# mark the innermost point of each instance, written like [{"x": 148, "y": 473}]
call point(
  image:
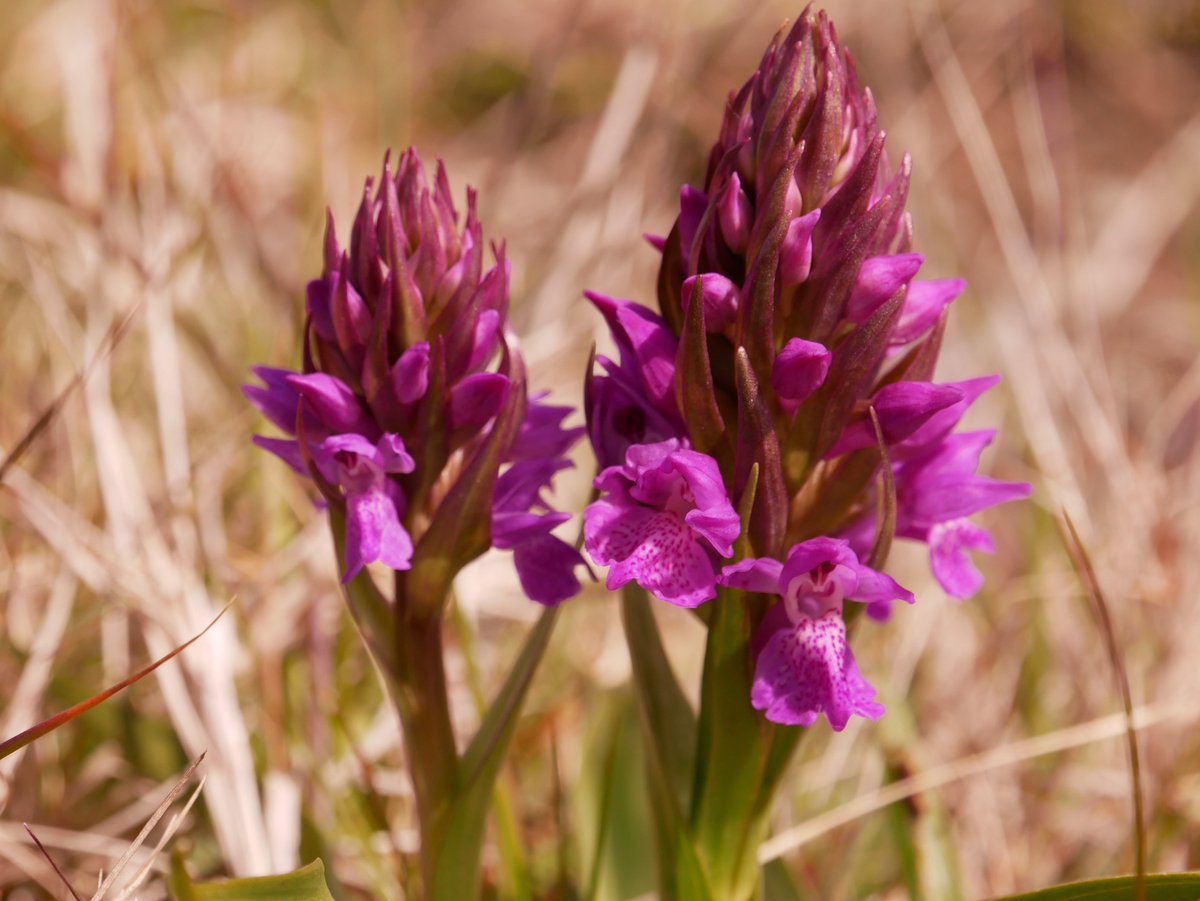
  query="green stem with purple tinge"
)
[{"x": 424, "y": 707}]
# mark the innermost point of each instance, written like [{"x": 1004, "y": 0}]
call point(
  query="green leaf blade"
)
[{"x": 304, "y": 884}]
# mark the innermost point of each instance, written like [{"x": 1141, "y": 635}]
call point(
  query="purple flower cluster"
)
[
  {"x": 411, "y": 406},
  {"x": 794, "y": 346}
]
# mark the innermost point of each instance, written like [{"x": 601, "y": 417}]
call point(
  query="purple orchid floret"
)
[
  {"x": 937, "y": 488},
  {"x": 374, "y": 503},
  {"x": 634, "y": 401},
  {"x": 412, "y": 398},
  {"x": 794, "y": 347},
  {"x": 804, "y": 667},
  {"x": 664, "y": 522}
]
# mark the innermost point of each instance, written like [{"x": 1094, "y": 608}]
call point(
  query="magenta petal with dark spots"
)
[
  {"x": 664, "y": 521},
  {"x": 806, "y": 669}
]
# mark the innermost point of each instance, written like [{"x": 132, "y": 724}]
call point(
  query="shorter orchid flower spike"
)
[{"x": 411, "y": 410}]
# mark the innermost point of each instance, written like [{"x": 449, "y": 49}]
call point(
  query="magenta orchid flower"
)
[
  {"x": 664, "y": 522},
  {"x": 804, "y": 665}
]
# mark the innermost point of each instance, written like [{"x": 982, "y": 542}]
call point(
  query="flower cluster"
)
[
  {"x": 791, "y": 356},
  {"x": 411, "y": 411}
]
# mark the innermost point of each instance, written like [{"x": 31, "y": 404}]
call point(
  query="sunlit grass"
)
[{"x": 171, "y": 162}]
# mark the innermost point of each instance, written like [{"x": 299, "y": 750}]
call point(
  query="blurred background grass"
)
[{"x": 170, "y": 161}]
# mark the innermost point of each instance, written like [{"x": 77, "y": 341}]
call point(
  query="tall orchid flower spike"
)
[
  {"x": 411, "y": 415},
  {"x": 790, "y": 362}
]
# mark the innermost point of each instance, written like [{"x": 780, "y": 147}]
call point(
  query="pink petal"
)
[
  {"x": 757, "y": 574},
  {"x": 720, "y": 297},
  {"x": 806, "y": 669},
  {"x": 878, "y": 280},
  {"x": 795, "y": 255},
  {"x": 735, "y": 214},
  {"x": 798, "y": 371},
  {"x": 949, "y": 543},
  {"x": 374, "y": 533}
]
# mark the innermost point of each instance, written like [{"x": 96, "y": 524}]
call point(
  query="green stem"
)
[{"x": 424, "y": 707}]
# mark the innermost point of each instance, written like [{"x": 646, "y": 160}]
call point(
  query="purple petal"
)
[
  {"x": 319, "y": 296},
  {"x": 351, "y": 319},
  {"x": 286, "y": 450},
  {"x": 546, "y": 567},
  {"x": 949, "y": 543},
  {"x": 646, "y": 346},
  {"x": 410, "y": 374},
  {"x": 620, "y": 414},
  {"x": 720, "y": 297},
  {"x": 476, "y": 399},
  {"x": 942, "y": 485},
  {"x": 351, "y": 443},
  {"x": 902, "y": 408},
  {"x": 877, "y": 588},
  {"x": 331, "y": 400},
  {"x": 795, "y": 254},
  {"x": 278, "y": 401},
  {"x": 654, "y": 549},
  {"x": 704, "y": 481},
  {"x": 392, "y": 455},
  {"x": 798, "y": 371},
  {"x": 807, "y": 669},
  {"x": 735, "y": 214},
  {"x": 808, "y": 555},
  {"x": 658, "y": 242},
  {"x": 483, "y": 343},
  {"x": 374, "y": 533},
  {"x": 878, "y": 280},
  {"x": 692, "y": 205},
  {"x": 542, "y": 434},
  {"x": 923, "y": 304},
  {"x": 511, "y": 528},
  {"x": 757, "y": 574},
  {"x": 944, "y": 421},
  {"x": 519, "y": 486}
]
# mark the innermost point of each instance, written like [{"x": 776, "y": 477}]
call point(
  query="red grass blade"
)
[{"x": 35, "y": 732}]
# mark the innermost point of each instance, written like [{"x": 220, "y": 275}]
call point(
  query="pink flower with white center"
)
[
  {"x": 804, "y": 666},
  {"x": 664, "y": 522}
]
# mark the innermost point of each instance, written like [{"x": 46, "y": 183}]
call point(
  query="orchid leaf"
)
[
  {"x": 669, "y": 730},
  {"x": 456, "y": 870},
  {"x": 668, "y": 717},
  {"x": 1161, "y": 887},
  {"x": 694, "y": 391},
  {"x": 304, "y": 884},
  {"x": 614, "y": 831}
]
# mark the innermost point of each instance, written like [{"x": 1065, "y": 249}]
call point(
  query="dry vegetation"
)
[{"x": 163, "y": 170}]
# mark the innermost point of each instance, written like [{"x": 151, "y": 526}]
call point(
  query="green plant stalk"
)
[
  {"x": 669, "y": 734},
  {"x": 740, "y": 755},
  {"x": 424, "y": 707},
  {"x": 732, "y": 750}
]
